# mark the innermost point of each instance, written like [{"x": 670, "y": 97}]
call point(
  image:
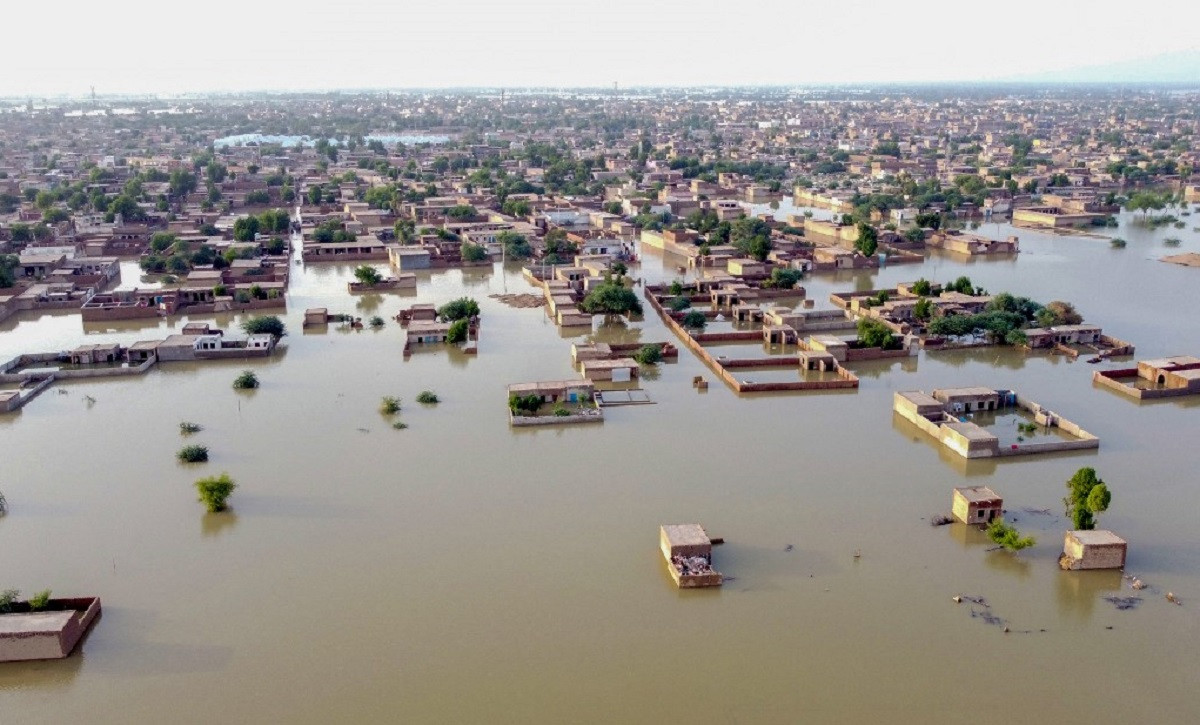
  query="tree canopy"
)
[{"x": 1087, "y": 495}]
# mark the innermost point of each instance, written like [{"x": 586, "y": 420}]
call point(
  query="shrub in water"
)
[
  {"x": 192, "y": 454},
  {"x": 214, "y": 491},
  {"x": 246, "y": 381}
]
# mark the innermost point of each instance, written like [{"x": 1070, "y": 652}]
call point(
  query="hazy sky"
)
[{"x": 170, "y": 46}]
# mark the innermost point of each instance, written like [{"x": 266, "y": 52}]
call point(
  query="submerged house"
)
[
  {"x": 1093, "y": 550},
  {"x": 48, "y": 633},
  {"x": 1158, "y": 378},
  {"x": 687, "y": 549},
  {"x": 976, "y": 505}
]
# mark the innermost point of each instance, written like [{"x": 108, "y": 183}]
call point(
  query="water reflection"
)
[
  {"x": 1008, "y": 562},
  {"x": 1078, "y": 591},
  {"x": 213, "y": 524}
]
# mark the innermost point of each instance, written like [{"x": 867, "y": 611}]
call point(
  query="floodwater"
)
[{"x": 461, "y": 571}]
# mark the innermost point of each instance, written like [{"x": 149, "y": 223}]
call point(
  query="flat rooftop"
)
[
  {"x": 978, "y": 494},
  {"x": 920, "y": 399},
  {"x": 970, "y": 431},
  {"x": 1099, "y": 537},
  {"x": 686, "y": 535},
  {"x": 971, "y": 392}
]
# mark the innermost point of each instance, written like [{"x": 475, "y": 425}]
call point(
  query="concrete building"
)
[
  {"x": 687, "y": 549},
  {"x": 976, "y": 505},
  {"x": 1093, "y": 550},
  {"x": 1158, "y": 378},
  {"x": 48, "y": 634}
]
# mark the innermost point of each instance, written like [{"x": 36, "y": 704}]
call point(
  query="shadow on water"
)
[{"x": 122, "y": 647}]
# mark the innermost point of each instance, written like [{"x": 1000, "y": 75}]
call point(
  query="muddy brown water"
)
[{"x": 461, "y": 571}]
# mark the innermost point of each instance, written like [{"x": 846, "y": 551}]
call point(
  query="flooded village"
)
[{"x": 440, "y": 366}]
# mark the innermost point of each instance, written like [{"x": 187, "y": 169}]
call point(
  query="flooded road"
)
[{"x": 461, "y": 571}]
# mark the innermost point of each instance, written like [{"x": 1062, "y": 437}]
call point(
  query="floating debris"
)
[
  {"x": 857, "y": 554},
  {"x": 522, "y": 301},
  {"x": 89, "y": 400},
  {"x": 1036, "y": 512},
  {"x": 1173, "y": 599},
  {"x": 789, "y": 547},
  {"x": 363, "y": 430},
  {"x": 1124, "y": 603},
  {"x": 940, "y": 520}
]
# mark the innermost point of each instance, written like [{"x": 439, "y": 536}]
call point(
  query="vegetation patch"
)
[
  {"x": 246, "y": 381},
  {"x": 214, "y": 491},
  {"x": 192, "y": 454}
]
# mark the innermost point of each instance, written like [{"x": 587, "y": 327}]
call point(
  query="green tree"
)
[
  {"x": 1008, "y": 537},
  {"x": 868, "y": 239},
  {"x": 516, "y": 246},
  {"x": 922, "y": 287},
  {"x": 923, "y": 309},
  {"x": 214, "y": 491},
  {"x": 181, "y": 183},
  {"x": 461, "y": 211},
  {"x": 367, "y": 275},
  {"x": 264, "y": 325},
  {"x": 244, "y": 229},
  {"x": 874, "y": 333},
  {"x": 694, "y": 320},
  {"x": 1087, "y": 496},
  {"x": 458, "y": 331},
  {"x": 473, "y": 252},
  {"x": 611, "y": 298},
  {"x": 648, "y": 354},
  {"x": 462, "y": 308}
]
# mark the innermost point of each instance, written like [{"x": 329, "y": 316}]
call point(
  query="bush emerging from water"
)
[
  {"x": 679, "y": 304},
  {"x": 1006, "y": 536},
  {"x": 428, "y": 397},
  {"x": 459, "y": 309},
  {"x": 458, "y": 331},
  {"x": 39, "y": 601},
  {"x": 694, "y": 320},
  {"x": 214, "y": 491},
  {"x": 390, "y": 405},
  {"x": 1118, "y": 243},
  {"x": 8, "y": 598},
  {"x": 246, "y": 381},
  {"x": 192, "y": 454},
  {"x": 648, "y": 355},
  {"x": 266, "y": 325},
  {"x": 376, "y": 322},
  {"x": 188, "y": 428},
  {"x": 399, "y": 425}
]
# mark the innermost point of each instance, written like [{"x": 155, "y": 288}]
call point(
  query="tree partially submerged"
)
[
  {"x": 459, "y": 309},
  {"x": 367, "y": 275},
  {"x": 874, "y": 333},
  {"x": 458, "y": 332},
  {"x": 611, "y": 298},
  {"x": 1087, "y": 496},
  {"x": 214, "y": 491},
  {"x": 264, "y": 325},
  {"x": 694, "y": 320},
  {"x": 524, "y": 404},
  {"x": 648, "y": 354},
  {"x": 192, "y": 454},
  {"x": 1008, "y": 537},
  {"x": 246, "y": 381}
]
